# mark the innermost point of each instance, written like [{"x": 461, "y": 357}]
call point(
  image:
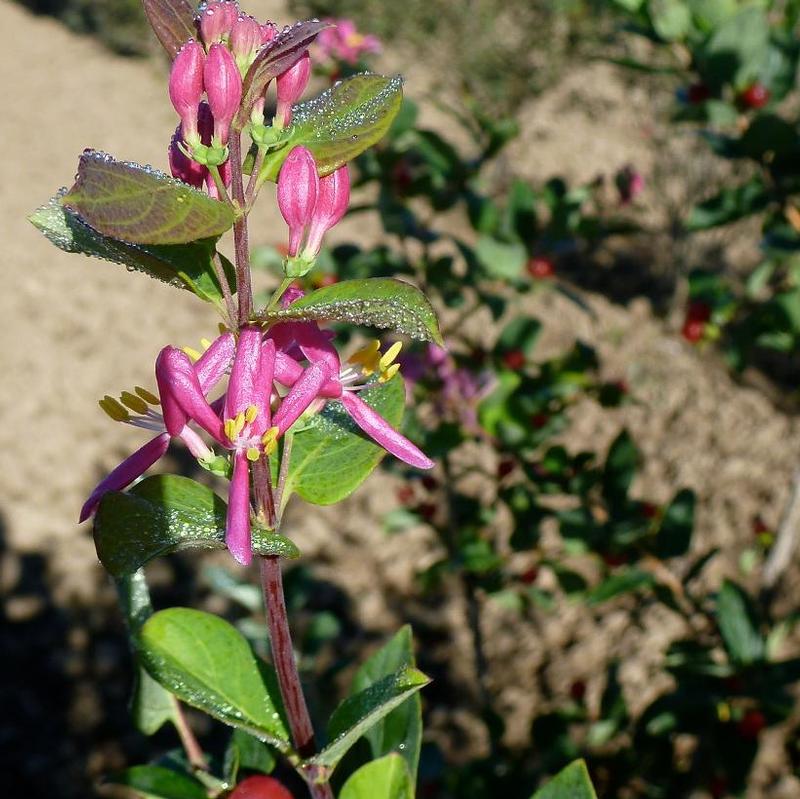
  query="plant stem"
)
[
  {"x": 219, "y": 271},
  {"x": 241, "y": 245},
  {"x": 250, "y": 193},
  {"x": 192, "y": 748}
]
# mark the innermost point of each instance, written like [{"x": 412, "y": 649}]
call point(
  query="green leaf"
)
[
  {"x": 380, "y": 302},
  {"x": 386, "y": 778},
  {"x": 570, "y": 783},
  {"x": 620, "y": 468},
  {"x": 400, "y": 730},
  {"x": 738, "y": 625},
  {"x": 360, "y": 712},
  {"x": 729, "y": 205},
  {"x": 142, "y": 205},
  {"x": 166, "y": 513},
  {"x": 273, "y": 59},
  {"x": 675, "y": 533},
  {"x": 246, "y": 752},
  {"x": 331, "y": 457},
  {"x": 622, "y": 583},
  {"x": 157, "y": 782},
  {"x": 735, "y": 51},
  {"x": 345, "y": 120},
  {"x": 521, "y": 333},
  {"x": 151, "y": 705},
  {"x": 208, "y": 664},
  {"x": 499, "y": 259},
  {"x": 185, "y": 265},
  {"x": 671, "y": 19},
  {"x": 172, "y": 22}
]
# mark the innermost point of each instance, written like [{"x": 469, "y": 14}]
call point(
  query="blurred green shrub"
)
[{"x": 120, "y": 24}]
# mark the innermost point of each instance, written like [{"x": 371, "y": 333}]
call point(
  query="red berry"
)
[
  {"x": 529, "y": 575},
  {"x": 751, "y": 724},
  {"x": 541, "y": 268},
  {"x": 622, "y": 386},
  {"x": 578, "y": 690},
  {"x": 759, "y": 526},
  {"x": 514, "y": 359},
  {"x": 649, "y": 510},
  {"x": 429, "y": 483},
  {"x": 402, "y": 176},
  {"x": 693, "y": 330},
  {"x": 504, "y": 468},
  {"x": 698, "y": 93},
  {"x": 427, "y": 510},
  {"x": 260, "y": 788},
  {"x": 698, "y": 311},
  {"x": 405, "y": 495},
  {"x": 754, "y": 96},
  {"x": 539, "y": 420},
  {"x": 615, "y": 558}
]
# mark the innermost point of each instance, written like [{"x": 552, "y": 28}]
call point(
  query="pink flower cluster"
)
[
  {"x": 343, "y": 42},
  {"x": 214, "y": 67},
  {"x": 274, "y": 378}
]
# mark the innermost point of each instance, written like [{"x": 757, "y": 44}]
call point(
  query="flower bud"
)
[
  {"x": 182, "y": 167},
  {"x": 245, "y": 41},
  {"x": 223, "y": 87},
  {"x": 215, "y": 21},
  {"x": 224, "y": 173},
  {"x": 291, "y": 85},
  {"x": 298, "y": 186},
  {"x": 269, "y": 30},
  {"x": 186, "y": 87},
  {"x": 333, "y": 198}
]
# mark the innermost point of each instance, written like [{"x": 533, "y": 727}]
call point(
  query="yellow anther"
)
[
  {"x": 136, "y": 404},
  {"x": 368, "y": 357},
  {"x": 193, "y": 354},
  {"x": 205, "y": 343},
  {"x": 388, "y": 374},
  {"x": 388, "y": 357},
  {"x": 253, "y": 454},
  {"x": 238, "y": 423},
  {"x": 250, "y": 414},
  {"x": 147, "y": 396},
  {"x": 114, "y": 409},
  {"x": 230, "y": 429},
  {"x": 270, "y": 437}
]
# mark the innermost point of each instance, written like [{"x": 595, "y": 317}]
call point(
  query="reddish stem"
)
[{"x": 241, "y": 245}]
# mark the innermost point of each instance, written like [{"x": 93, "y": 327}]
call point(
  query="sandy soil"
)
[{"x": 77, "y": 329}]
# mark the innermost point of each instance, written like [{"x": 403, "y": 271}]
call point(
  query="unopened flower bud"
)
[
  {"x": 223, "y": 87},
  {"x": 298, "y": 186},
  {"x": 245, "y": 41},
  {"x": 181, "y": 166},
  {"x": 186, "y": 87},
  {"x": 269, "y": 30},
  {"x": 215, "y": 21},
  {"x": 333, "y": 198},
  {"x": 291, "y": 85}
]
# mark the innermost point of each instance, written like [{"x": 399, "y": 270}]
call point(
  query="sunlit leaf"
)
[{"x": 172, "y": 22}]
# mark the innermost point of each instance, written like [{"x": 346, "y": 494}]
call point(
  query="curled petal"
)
[
  {"x": 214, "y": 362},
  {"x": 316, "y": 346},
  {"x": 380, "y": 431},
  {"x": 237, "y": 532},
  {"x": 302, "y": 394},
  {"x": 131, "y": 468}
]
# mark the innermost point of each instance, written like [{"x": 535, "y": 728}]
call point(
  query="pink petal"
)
[
  {"x": 214, "y": 362},
  {"x": 237, "y": 533},
  {"x": 333, "y": 197},
  {"x": 316, "y": 346},
  {"x": 380, "y": 431},
  {"x": 244, "y": 388},
  {"x": 131, "y": 468},
  {"x": 302, "y": 394}
]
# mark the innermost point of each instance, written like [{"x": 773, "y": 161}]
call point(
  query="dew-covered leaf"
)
[
  {"x": 572, "y": 782},
  {"x": 187, "y": 266},
  {"x": 142, "y": 205},
  {"x": 381, "y": 302},
  {"x": 273, "y": 59},
  {"x": 166, "y": 513},
  {"x": 246, "y": 752},
  {"x": 331, "y": 457},
  {"x": 208, "y": 664},
  {"x": 386, "y": 778},
  {"x": 358, "y": 713},
  {"x": 342, "y": 122},
  {"x": 401, "y": 730},
  {"x": 158, "y": 782},
  {"x": 172, "y": 22}
]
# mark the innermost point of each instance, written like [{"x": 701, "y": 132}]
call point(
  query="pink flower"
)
[
  {"x": 186, "y": 87},
  {"x": 246, "y": 38},
  {"x": 630, "y": 184},
  {"x": 138, "y": 409},
  {"x": 290, "y": 86},
  {"x": 343, "y": 42},
  {"x": 215, "y": 21},
  {"x": 223, "y": 84}
]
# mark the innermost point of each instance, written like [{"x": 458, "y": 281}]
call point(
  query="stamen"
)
[
  {"x": 205, "y": 343},
  {"x": 147, "y": 396},
  {"x": 389, "y": 373},
  {"x": 388, "y": 357},
  {"x": 251, "y": 413},
  {"x": 193, "y": 354},
  {"x": 270, "y": 437},
  {"x": 238, "y": 424},
  {"x": 136, "y": 404},
  {"x": 114, "y": 409},
  {"x": 253, "y": 454},
  {"x": 230, "y": 429},
  {"x": 368, "y": 357}
]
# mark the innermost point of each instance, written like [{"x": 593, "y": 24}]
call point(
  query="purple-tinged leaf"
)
[
  {"x": 141, "y": 205},
  {"x": 273, "y": 59},
  {"x": 172, "y": 22}
]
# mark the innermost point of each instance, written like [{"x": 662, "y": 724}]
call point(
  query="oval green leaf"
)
[
  {"x": 331, "y": 457},
  {"x": 172, "y": 22},
  {"x": 380, "y": 302},
  {"x": 141, "y": 205},
  {"x": 208, "y": 664},
  {"x": 342, "y": 122},
  {"x": 573, "y": 782},
  {"x": 157, "y": 782},
  {"x": 187, "y": 266},
  {"x": 166, "y": 513},
  {"x": 386, "y": 778}
]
